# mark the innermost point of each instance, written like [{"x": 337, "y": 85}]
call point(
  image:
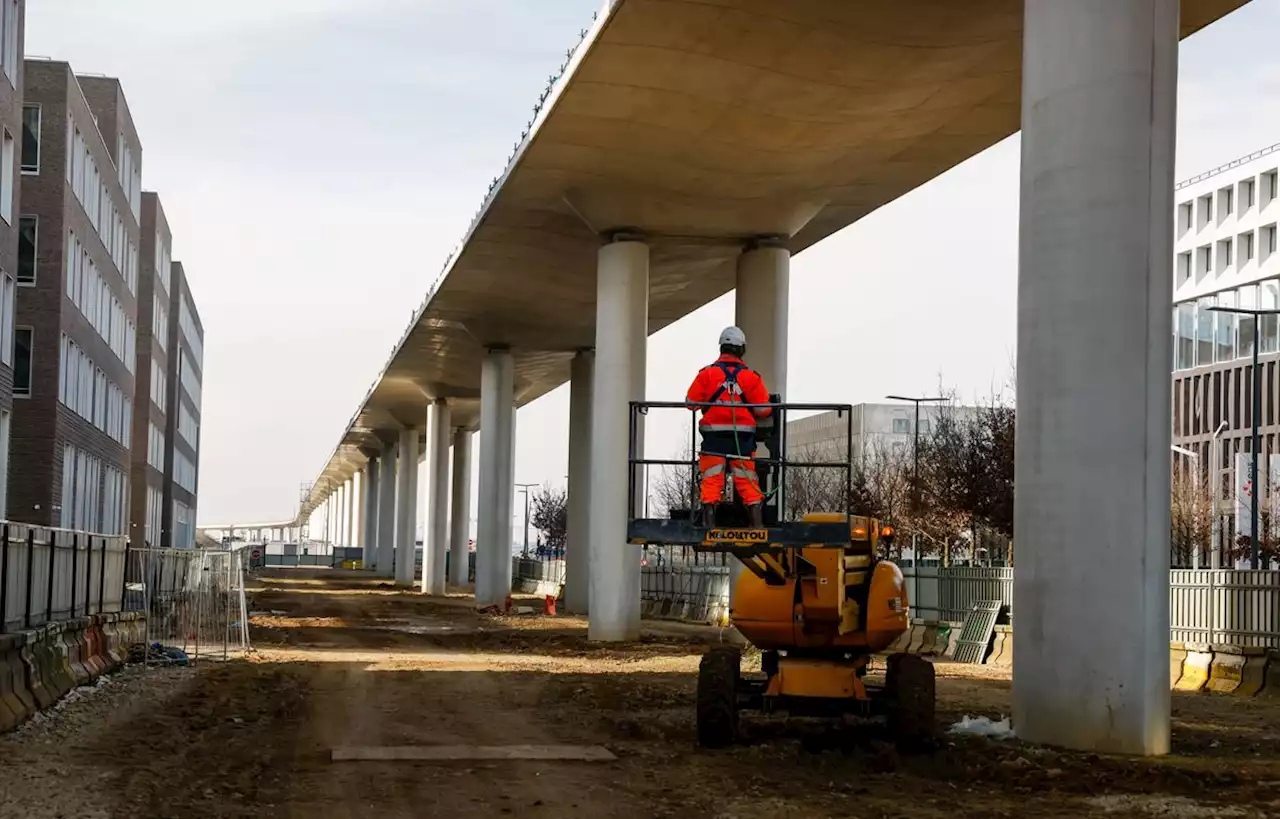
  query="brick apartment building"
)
[
  {"x": 151, "y": 396},
  {"x": 18, "y": 139},
  {"x": 73, "y": 429},
  {"x": 186, "y": 376}
]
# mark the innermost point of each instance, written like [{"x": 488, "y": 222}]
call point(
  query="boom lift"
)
[{"x": 817, "y": 598}]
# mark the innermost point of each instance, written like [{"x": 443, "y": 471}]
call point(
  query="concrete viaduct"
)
[{"x": 690, "y": 148}]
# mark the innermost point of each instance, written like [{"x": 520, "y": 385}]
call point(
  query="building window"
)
[
  {"x": 6, "y": 178},
  {"x": 1184, "y": 268},
  {"x": 28, "y": 231},
  {"x": 901, "y": 426},
  {"x": 1204, "y": 332},
  {"x": 1245, "y": 243},
  {"x": 1205, "y": 209},
  {"x": 1269, "y": 186},
  {"x": 1204, "y": 260},
  {"x": 8, "y": 306},
  {"x": 31, "y": 139},
  {"x": 22, "y": 361},
  {"x": 11, "y": 10},
  {"x": 1225, "y": 203},
  {"x": 1186, "y": 212},
  {"x": 1224, "y": 254},
  {"x": 1268, "y": 241},
  {"x": 1246, "y": 194},
  {"x": 4, "y": 462}
]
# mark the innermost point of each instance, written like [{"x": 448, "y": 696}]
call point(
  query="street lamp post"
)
[
  {"x": 524, "y": 487},
  {"x": 1254, "y": 448},
  {"x": 915, "y": 472}
]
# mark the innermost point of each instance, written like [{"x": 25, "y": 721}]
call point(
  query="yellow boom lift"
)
[{"x": 818, "y": 599}]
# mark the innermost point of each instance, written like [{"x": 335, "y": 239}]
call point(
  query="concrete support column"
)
[
  {"x": 385, "y": 559},
  {"x": 350, "y": 517},
  {"x": 577, "y": 548},
  {"x": 761, "y": 304},
  {"x": 435, "y": 542},
  {"x": 406, "y": 506},
  {"x": 341, "y": 537},
  {"x": 497, "y": 478},
  {"x": 369, "y": 514},
  {"x": 1099, "y": 91},
  {"x": 622, "y": 330},
  {"x": 460, "y": 515}
]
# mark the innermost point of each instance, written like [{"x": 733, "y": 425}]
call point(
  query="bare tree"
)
[
  {"x": 672, "y": 487},
  {"x": 1191, "y": 519},
  {"x": 550, "y": 516},
  {"x": 814, "y": 488}
]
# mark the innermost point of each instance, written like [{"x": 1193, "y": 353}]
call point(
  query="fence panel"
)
[
  {"x": 49, "y": 574},
  {"x": 194, "y": 599}
]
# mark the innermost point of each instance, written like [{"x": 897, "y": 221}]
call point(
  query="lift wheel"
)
[{"x": 717, "y": 705}]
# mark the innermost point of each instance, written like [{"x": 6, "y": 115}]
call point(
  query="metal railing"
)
[
  {"x": 775, "y": 440},
  {"x": 49, "y": 574}
]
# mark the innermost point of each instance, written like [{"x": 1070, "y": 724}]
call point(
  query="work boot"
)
[
  {"x": 756, "y": 510},
  {"x": 708, "y": 515}
]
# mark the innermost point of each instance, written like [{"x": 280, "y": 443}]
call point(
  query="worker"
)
[{"x": 729, "y": 431}]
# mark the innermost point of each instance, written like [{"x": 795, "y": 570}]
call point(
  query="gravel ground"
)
[
  {"x": 44, "y": 770},
  {"x": 344, "y": 662}
]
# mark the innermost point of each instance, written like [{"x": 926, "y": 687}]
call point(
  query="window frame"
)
[
  {"x": 35, "y": 251},
  {"x": 10, "y": 13},
  {"x": 8, "y": 182},
  {"x": 8, "y": 318},
  {"x": 23, "y": 167},
  {"x": 31, "y": 360}
]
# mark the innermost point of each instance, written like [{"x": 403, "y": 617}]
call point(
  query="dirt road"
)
[{"x": 343, "y": 661}]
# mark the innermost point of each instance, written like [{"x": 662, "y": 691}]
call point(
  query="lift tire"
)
[
  {"x": 910, "y": 690},
  {"x": 717, "y": 704}
]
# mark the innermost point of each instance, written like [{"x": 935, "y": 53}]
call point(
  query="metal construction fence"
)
[
  {"x": 1239, "y": 607},
  {"x": 194, "y": 599},
  {"x": 938, "y": 593},
  {"x": 49, "y": 574},
  {"x": 676, "y": 582}
]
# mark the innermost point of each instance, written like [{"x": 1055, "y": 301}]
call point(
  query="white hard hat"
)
[{"x": 733, "y": 336}]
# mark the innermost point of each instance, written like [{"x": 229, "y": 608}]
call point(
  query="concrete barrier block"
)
[
  {"x": 901, "y": 644},
  {"x": 953, "y": 639},
  {"x": 1225, "y": 673},
  {"x": 71, "y": 643},
  {"x": 12, "y": 657},
  {"x": 917, "y": 639},
  {"x": 14, "y": 708},
  {"x": 1005, "y": 658},
  {"x": 1271, "y": 676},
  {"x": 116, "y": 650},
  {"x": 1177, "y": 656},
  {"x": 34, "y": 677},
  {"x": 1254, "y": 675},
  {"x": 997, "y": 648},
  {"x": 1195, "y": 671},
  {"x": 59, "y": 666},
  {"x": 96, "y": 662},
  {"x": 930, "y": 643}
]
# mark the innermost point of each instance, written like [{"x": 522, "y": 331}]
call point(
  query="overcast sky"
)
[{"x": 318, "y": 159}]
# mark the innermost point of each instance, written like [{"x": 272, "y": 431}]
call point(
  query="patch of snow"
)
[{"x": 984, "y": 727}]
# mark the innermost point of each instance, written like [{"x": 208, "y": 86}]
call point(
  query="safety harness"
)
[{"x": 731, "y": 369}]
